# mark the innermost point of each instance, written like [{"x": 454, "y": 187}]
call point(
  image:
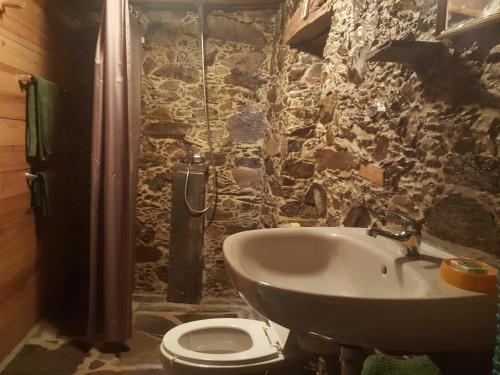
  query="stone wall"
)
[
  {"x": 289, "y": 148},
  {"x": 320, "y": 141},
  {"x": 349, "y": 141},
  {"x": 239, "y": 47}
]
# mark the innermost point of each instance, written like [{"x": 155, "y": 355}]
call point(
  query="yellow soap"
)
[{"x": 469, "y": 274}]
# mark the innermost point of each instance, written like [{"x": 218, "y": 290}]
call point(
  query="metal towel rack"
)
[
  {"x": 24, "y": 79},
  {"x": 30, "y": 177}
]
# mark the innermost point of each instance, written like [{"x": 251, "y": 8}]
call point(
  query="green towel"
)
[
  {"x": 41, "y": 120},
  {"x": 31, "y": 142},
  {"x": 385, "y": 365},
  {"x": 41, "y": 194}
]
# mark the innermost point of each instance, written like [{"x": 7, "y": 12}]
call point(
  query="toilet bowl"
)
[{"x": 226, "y": 346}]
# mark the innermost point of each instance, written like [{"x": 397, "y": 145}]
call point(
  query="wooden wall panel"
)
[
  {"x": 18, "y": 314},
  {"x": 33, "y": 16},
  {"x": 12, "y": 132},
  {"x": 12, "y": 106},
  {"x": 14, "y": 206},
  {"x": 30, "y": 25},
  {"x": 22, "y": 58},
  {"x": 42, "y": 50},
  {"x": 18, "y": 248},
  {"x": 13, "y": 158},
  {"x": 12, "y": 96},
  {"x": 31, "y": 42},
  {"x": 12, "y": 183}
]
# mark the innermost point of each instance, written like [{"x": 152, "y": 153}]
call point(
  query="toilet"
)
[{"x": 223, "y": 346}]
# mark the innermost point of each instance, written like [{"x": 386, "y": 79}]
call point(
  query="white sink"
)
[{"x": 358, "y": 290}]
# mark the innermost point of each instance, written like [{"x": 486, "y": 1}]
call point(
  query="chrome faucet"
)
[{"x": 410, "y": 236}]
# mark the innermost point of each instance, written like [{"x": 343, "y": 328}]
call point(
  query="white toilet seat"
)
[{"x": 264, "y": 345}]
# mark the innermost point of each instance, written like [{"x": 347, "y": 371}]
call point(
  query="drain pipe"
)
[
  {"x": 316, "y": 343},
  {"x": 352, "y": 359}
]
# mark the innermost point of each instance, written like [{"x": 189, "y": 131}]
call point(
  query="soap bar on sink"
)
[
  {"x": 469, "y": 266},
  {"x": 469, "y": 274}
]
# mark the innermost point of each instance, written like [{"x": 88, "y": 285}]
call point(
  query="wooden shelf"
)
[
  {"x": 309, "y": 34},
  {"x": 470, "y": 26},
  {"x": 96, "y": 5},
  {"x": 404, "y": 51},
  {"x": 212, "y": 3}
]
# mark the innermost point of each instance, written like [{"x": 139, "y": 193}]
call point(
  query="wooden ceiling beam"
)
[{"x": 210, "y": 3}]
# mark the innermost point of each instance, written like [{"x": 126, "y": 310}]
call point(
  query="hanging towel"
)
[
  {"x": 41, "y": 194},
  {"x": 385, "y": 365},
  {"x": 43, "y": 96}
]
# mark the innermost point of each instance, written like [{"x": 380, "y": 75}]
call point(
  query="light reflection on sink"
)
[{"x": 359, "y": 290}]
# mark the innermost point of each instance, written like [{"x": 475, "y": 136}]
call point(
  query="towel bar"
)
[
  {"x": 24, "y": 79},
  {"x": 30, "y": 176}
]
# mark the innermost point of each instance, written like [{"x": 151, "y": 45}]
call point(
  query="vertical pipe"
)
[{"x": 185, "y": 276}]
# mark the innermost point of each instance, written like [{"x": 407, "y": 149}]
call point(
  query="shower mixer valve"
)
[
  {"x": 193, "y": 158},
  {"x": 197, "y": 159}
]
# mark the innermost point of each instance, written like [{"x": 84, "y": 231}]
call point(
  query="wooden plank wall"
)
[{"x": 29, "y": 44}]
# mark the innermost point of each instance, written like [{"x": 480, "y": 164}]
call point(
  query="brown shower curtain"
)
[{"x": 115, "y": 126}]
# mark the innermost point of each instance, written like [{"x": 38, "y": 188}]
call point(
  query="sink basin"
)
[{"x": 358, "y": 290}]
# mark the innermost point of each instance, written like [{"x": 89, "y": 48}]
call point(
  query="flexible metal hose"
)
[{"x": 201, "y": 17}]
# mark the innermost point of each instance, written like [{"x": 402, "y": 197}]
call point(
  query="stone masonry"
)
[
  {"x": 321, "y": 141},
  {"x": 350, "y": 140},
  {"x": 238, "y": 52}
]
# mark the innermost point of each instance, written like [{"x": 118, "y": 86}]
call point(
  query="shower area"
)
[{"x": 179, "y": 250}]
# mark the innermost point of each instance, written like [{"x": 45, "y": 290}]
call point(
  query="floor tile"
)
[{"x": 49, "y": 352}]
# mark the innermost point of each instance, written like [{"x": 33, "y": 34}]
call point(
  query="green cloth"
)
[
  {"x": 31, "y": 142},
  {"x": 41, "y": 194},
  {"x": 41, "y": 118},
  {"x": 385, "y": 365}
]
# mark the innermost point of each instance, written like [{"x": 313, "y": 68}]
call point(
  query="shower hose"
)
[{"x": 201, "y": 17}]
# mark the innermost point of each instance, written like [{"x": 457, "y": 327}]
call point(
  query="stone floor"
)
[{"x": 48, "y": 351}]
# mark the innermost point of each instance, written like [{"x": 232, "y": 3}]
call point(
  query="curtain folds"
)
[{"x": 115, "y": 127}]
